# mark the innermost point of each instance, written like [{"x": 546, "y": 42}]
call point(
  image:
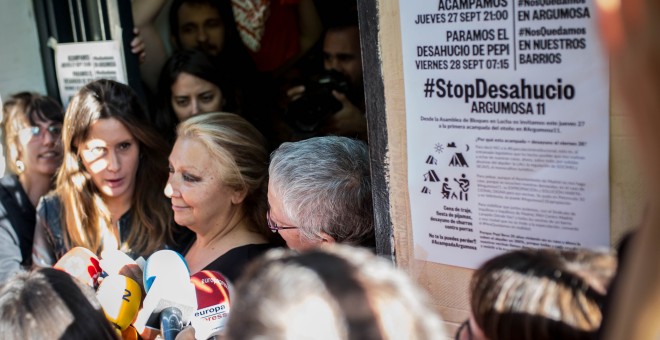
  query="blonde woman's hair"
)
[{"x": 240, "y": 150}]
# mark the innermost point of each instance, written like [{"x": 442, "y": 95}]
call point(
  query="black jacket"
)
[{"x": 17, "y": 220}]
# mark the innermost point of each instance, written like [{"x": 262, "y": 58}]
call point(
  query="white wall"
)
[{"x": 20, "y": 60}]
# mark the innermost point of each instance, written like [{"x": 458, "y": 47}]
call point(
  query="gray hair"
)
[
  {"x": 48, "y": 303},
  {"x": 340, "y": 291},
  {"x": 325, "y": 186}
]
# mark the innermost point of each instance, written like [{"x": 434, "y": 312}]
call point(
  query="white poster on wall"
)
[
  {"x": 507, "y": 105},
  {"x": 79, "y": 63}
]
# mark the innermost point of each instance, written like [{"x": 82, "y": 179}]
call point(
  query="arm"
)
[
  {"x": 145, "y": 13},
  {"x": 310, "y": 25},
  {"x": 10, "y": 252},
  {"x": 636, "y": 301}
]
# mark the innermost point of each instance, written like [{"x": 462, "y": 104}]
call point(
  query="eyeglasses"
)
[
  {"x": 35, "y": 131},
  {"x": 273, "y": 226},
  {"x": 464, "y": 326}
]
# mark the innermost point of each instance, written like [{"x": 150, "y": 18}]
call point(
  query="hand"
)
[
  {"x": 187, "y": 333},
  {"x": 137, "y": 46},
  {"x": 114, "y": 261},
  {"x": 134, "y": 272},
  {"x": 295, "y": 92},
  {"x": 348, "y": 121}
]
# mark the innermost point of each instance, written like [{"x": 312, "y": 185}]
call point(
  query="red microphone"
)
[
  {"x": 214, "y": 293},
  {"x": 82, "y": 264}
]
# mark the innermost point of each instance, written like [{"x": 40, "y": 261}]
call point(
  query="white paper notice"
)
[
  {"x": 79, "y": 63},
  {"x": 507, "y": 105}
]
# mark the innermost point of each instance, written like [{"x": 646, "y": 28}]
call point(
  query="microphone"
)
[
  {"x": 130, "y": 333},
  {"x": 170, "y": 299},
  {"x": 82, "y": 264},
  {"x": 120, "y": 297},
  {"x": 214, "y": 293},
  {"x": 114, "y": 261},
  {"x": 165, "y": 264}
]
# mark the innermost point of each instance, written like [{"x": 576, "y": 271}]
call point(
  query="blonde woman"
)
[{"x": 217, "y": 187}]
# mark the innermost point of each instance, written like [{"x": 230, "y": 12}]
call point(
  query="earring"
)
[{"x": 20, "y": 166}]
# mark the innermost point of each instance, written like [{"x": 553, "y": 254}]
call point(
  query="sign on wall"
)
[
  {"x": 507, "y": 105},
  {"x": 79, "y": 63}
]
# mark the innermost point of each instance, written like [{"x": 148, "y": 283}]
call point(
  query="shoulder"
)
[
  {"x": 248, "y": 252},
  {"x": 9, "y": 180},
  {"x": 49, "y": 211},
  {"x": 49, "y": 202},
  {"x": 232, "y": 263},
  {"x": 258, "y": 249},
  {"x": 9, "y": 185}
]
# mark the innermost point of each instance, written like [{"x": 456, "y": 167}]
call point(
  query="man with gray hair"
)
[{"x": 319, "y": 191}]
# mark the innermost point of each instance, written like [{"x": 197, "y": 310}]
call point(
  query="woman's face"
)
[
  {"x": 192, "y": 95},
  {"x": 111, "y": 157},
  {"x": 40, "y": 147},
  {"x": 200, "y": 198}
]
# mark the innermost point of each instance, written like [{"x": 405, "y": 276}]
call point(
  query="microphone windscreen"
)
[
  {"x": 113, "y": 260},
  {"x": 165, "y": 264},
  {"x": 82, "y": 264},
  {"x": 214, "y": 293},
  {"x": 120, "y": 297},
  {"x": 164, "y": 294},
  {"x": 171, "y": 323},
  {"x": 130, "y": 333}
]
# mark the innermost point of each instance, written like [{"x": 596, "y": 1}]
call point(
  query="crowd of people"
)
[
  {"x": 263, "y": 60},
  {"x": 277, "y": 204}
]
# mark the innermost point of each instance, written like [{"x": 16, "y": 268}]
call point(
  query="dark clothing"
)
[
  {"x": 233, "y": 262},
  {"x": 17, "y": 220},
  {"x": 622, "y": 251},
  {"x": 49, "y": 244}
]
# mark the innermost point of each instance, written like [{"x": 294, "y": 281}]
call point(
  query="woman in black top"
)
[
  {"x": 217, "y": 187},
  {"x": 31, "y": 128}
]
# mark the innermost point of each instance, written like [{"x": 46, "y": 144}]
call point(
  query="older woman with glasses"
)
[
  {"x": 319, "y": 193},
  {"x": 217, "y": 185},
  {"x": 31, "y": 128}
]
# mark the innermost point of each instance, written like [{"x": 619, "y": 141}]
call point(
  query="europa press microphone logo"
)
[{"x": 213, "y": 302}]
